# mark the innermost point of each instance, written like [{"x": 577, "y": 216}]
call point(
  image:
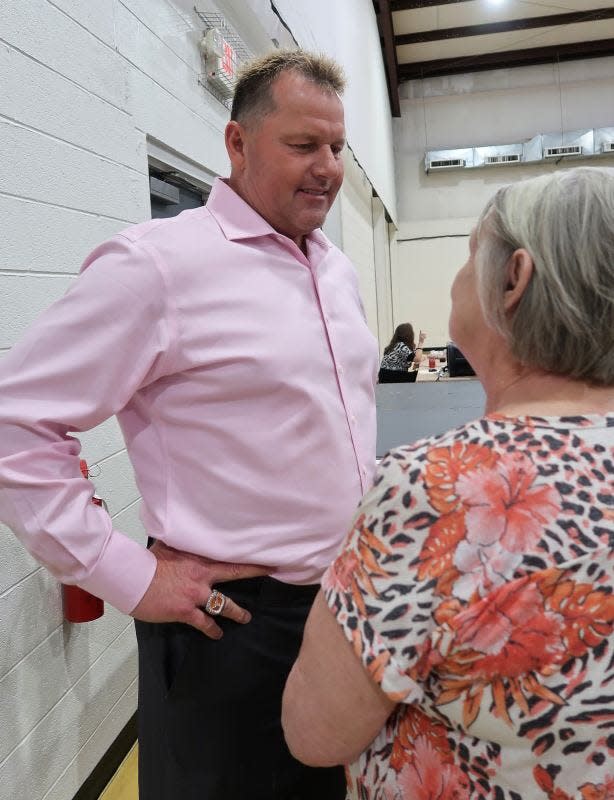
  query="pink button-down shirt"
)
[{"x": 242, "y": 375}]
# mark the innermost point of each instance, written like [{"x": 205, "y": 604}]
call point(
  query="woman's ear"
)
[{"x": 519, "y": 273}]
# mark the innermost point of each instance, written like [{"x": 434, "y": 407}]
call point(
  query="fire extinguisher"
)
[{"x": 79, "y": 605}]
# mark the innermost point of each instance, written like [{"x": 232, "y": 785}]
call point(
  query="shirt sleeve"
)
[
  {"x": 373, "y": 588},
  {"x": 77, "y": 365}
]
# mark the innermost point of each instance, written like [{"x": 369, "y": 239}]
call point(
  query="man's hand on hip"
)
[{"x": 182, "y": 585}]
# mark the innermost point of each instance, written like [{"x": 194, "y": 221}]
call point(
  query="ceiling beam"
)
[
  {"x": 505, "y": 59},
  {"x": 410, "y": 5},
  {"x": 505, "y": 25},
  {"x": 389, "y": 51}
]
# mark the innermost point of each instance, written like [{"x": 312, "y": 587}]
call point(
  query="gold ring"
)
[{"x": 215, "y": 604}]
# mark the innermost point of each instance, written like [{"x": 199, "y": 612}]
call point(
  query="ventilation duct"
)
[
  {"x": 449, "y": 159},
  {"x": 451, "y": 163},
  {"x": 495, "y": 156},
  {"x": 489, "y": 161},
  {"x": 555, "y": 152},
  {"x": 545, "y": 147}
]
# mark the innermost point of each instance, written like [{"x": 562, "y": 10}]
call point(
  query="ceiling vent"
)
[
  {"x": 569, "y": 150},
  {"x": 509, "y": 158},
  {"x": 607, "y": 147},
  {"x": 447, "y": 163}
]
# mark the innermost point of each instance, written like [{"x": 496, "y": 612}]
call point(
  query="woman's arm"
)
[
  {"x": 418, "y": 358},
  {"x": 332, "y": 709}
]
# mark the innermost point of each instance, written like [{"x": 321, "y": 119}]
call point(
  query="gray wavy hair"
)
[{"x": 564, "y": 322}]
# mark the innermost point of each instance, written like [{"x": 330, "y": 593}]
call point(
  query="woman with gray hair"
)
[{"x": 462, "y": 645}]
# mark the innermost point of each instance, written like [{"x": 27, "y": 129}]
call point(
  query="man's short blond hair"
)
[{"x": 253, "y": 98}]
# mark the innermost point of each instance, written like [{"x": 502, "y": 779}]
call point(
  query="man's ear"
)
[
  {"x": 234, "y": 136},
  {"x": 519, "y": 273}
]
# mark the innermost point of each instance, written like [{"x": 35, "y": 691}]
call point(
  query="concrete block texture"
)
[
  {"x": 29, "y": 612},
  {"x": 38, "y": 97},
  {"x": 41, "y": 758},
  {"x": 101, "y": 442},
  {"x": 23, "y": 299},
  {"x": 68, "y": 653},
  {"x": 42, "y": 30},
  {"x": 58, "y": 238},
  {"x": 88, "y": 755},
  {"x": 17, "y": 563},
  {"x": 39, "y": 167},
  {"x": 98, "y": 18}
]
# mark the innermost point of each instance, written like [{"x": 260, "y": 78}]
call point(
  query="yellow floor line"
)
[{"x": 124, "y": 784}]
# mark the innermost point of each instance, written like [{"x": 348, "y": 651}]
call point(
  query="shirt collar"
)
[{"x": 238, "y": 220}]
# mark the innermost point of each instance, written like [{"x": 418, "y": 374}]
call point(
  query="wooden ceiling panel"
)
[
  {"x": 476, "y": 12},
  {"x": 513, "y": 58},
  {"x": 502, "y": 42},
  {"x": 503, "y": 26},
  {"x": 444, "y": 37}
]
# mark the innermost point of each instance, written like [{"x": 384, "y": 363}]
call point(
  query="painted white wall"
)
[
  {"x": 382, "y": 232},
  {"x": 438, "y": 210},
  {"x": 87, "y": 89},
  {"x": 357, "y": 234}
]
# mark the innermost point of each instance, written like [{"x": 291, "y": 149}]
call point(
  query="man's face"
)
[{"x": 288, "y": 164}]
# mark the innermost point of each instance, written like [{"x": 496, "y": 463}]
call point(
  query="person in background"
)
[
  {"x": 186, "y": 328},
  {"x": 401, "y": 355},
  {"x": 462, "y": 646}
]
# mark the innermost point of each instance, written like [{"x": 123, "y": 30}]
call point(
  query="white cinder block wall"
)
[
  {"x": 87, "y": 89},
  {"x": 437, "y": 211}
]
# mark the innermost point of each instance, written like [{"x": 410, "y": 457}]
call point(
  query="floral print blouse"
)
[{"x": 476, "y": 586}]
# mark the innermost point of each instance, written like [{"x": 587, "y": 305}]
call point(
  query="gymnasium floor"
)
[{"x": 124, "y": 785}]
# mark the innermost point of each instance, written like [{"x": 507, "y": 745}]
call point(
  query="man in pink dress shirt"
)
[{"x": 231, "y": 343}]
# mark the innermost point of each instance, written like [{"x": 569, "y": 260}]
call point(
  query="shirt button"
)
[
  {"x": 340, "y": 370},
  {"x": 353, "y": 420}
]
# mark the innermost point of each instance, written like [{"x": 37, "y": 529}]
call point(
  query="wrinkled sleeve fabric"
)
[{"x": 82, "y": 361}]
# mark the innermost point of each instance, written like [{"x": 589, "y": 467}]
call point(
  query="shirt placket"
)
[{"x": 352, "y": 421}]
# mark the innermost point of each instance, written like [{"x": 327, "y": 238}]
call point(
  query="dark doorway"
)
[{"x": 170, "y": 194}]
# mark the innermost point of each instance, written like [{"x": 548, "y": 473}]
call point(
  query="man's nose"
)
[{"x": 327, "y": 164}]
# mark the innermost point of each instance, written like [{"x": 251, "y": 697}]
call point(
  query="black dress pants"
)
[{"x": 209, "y": 718}]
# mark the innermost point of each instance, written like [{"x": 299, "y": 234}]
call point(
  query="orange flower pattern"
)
[{"x": 477, "y": 587}]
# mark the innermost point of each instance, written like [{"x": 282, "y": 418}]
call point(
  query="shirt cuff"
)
[{"x": 122, "y": 574}]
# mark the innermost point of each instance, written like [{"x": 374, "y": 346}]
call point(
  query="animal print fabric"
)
[
  {"x": 400, "y": 357},
  {"x": 476, "y": 588}
]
